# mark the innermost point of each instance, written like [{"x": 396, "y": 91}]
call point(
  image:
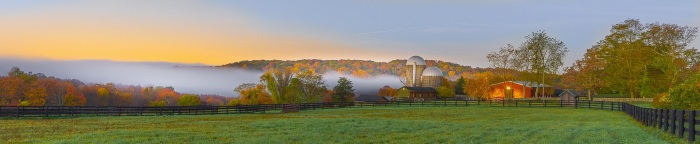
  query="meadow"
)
[{"x": 350, "y": 125}]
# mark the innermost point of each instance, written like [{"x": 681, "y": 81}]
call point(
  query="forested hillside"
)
[{"x": 358, "y": 68}]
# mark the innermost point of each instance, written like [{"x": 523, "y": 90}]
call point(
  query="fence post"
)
[
  {"x": 691, "y": 126},
  {"x": 666, "y": 119},
  {"x": 478, "y": 102},
  {"x": 18, "y": 111},
  {"x": 97, "y": 109},
  {"x": 601, "y": 104},
  {"x": 659, "y": 118},
  {"x": 46, "y": 114},
  {"x": 504, "y": 102},
  {"x": 575, "y": 103},
  {"x": 561, "y": 103},
  {"x": 545, "y": 103},
  {"x": 516, "y": 103},
  {"x": 529, "y": 103},
  {"x": 589, "y": 104},
  {"x": 612, "y": 105},
  {"x": 673, "y": 122},
  {"x": 161, "y": 110},
  {"x": 681, "y": 121}
]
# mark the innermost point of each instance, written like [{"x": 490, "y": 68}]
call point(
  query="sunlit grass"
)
[{"x": 350, "y": 125}]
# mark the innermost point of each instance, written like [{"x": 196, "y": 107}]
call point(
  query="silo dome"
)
[
  {"x": 417, "y": 59},
  {"x": 432, "y": 71}
]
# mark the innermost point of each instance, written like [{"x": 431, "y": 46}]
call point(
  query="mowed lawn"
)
[{"x": 349, "y": 125}]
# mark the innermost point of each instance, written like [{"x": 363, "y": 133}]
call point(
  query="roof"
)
[
  {"x": 370, "y": 98},
  {"x": 415, "y": 59},
  {"x": 420, "y": 89},
  {"x": 526, "y": 83},
  {"x": 572, "y": 92},
  {"x": 388, "y": 98},
  {"x": 432, "y": 71}
]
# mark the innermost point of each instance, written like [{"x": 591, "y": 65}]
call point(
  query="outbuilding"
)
[{"x": 417, "y": 94}]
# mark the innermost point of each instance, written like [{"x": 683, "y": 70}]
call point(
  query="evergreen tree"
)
[{"x": 343, "y": 92}]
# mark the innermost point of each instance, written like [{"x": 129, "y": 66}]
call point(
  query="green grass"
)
[{"x": 350, "y": 125}]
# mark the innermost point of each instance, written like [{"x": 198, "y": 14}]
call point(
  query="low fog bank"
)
[{"x": 186, "y": 78}]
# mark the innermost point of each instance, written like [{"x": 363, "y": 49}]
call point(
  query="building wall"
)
[
  {"x": 409, "y": 75},
  {"x": 431, "y": 81},
  {"x": 497, "y": 91}
]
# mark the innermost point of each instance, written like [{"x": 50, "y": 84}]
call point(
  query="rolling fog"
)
[{"x": 186, "y": 78}]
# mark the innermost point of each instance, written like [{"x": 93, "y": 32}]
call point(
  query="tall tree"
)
[
  {"x": 343, "y": 92},
  {"x": 586, "y": 73},
  {"x": 312, "y": 86},
  {"x": 459, "y": 86},
  {"x": 643, "y": 60},
  {"x": 276, "y": 82},
  {"x": 543, "y": 55}
]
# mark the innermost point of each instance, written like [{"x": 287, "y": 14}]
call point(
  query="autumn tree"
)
[
  {"x": 312, "y": 86},
  {"x": 169, "y": 96},
  {"x": 643, "y": 60},
  {"x": 343, "y": 92},
  {"x": 387, "y": 91},
  {"x": 586, "y": 73},
  {"x": 479, "y": 86},
  {"x": 253, "y": 94},
  {"x": 276, "y": 82},
  {"x": 73, "y": 97}
]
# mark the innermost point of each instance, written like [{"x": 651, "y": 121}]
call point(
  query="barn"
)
[
  {"x": 417, "y": 94},
  {"x": 518, "y": 90}
]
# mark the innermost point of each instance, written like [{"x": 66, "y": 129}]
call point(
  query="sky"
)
[{"x": 220, "y": 32}]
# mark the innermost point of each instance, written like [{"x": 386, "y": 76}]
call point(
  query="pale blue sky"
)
[{"x": 458, "y": 31}]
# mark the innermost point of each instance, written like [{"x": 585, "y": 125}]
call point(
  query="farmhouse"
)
[
  {"x": 569, "y": 95},
  {"x": 417, "y": 93},
  {"x": 518, "y": 90}
]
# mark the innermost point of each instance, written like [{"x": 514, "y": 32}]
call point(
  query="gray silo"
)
[
  {"x": 414, "y": 70},
  {"x": 432, "y": 77}
]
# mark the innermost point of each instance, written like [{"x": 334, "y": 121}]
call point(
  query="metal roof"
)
[
  {"x": 370, "y": 98},
  {"x": 415, "y": 59},
  {"x": 421, "y": 89},
  {"x": 526, "y": 83},
  {"x": 432, "y": 71}
]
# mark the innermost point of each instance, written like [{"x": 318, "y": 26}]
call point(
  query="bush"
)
[
  {"x": 683, "y": 96},
  {"x": 157, "y": 103},
  {"x": 189, "y": 100}
]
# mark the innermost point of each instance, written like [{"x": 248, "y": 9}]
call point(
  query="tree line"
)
[
  {"x": 20, "y": 88},
  {"x": 357, "y": 68}
]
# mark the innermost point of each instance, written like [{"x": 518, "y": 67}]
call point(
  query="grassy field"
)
[{"x": 350, "y": 125}]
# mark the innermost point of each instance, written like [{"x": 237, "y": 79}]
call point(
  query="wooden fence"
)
[
  {"x": 683, "y": 123},
  {"x": 62, "y": 111},
  {"x": 505, "y": 103}
]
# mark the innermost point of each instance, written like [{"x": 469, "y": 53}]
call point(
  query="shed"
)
[
  {"x": 371, "y": 98},
  {"x": 417, "y": 93},
  {"x": 569, "y": 95}
]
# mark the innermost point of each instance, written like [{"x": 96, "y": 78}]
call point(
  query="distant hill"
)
[{"x": 358, "y": 68}]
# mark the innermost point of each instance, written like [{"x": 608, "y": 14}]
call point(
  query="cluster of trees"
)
[
  {"x": 642, "y": 60},
  {"x": 537, "y": 59},
  {"x": 357, "y": 68},
  {"x": 287, "y": 85},
  {"x": 19, "y": 88}
]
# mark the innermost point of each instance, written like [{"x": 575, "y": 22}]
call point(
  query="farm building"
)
[
  {"x": 417, "y": 93},
  {"x": 418, "y": 75},
  {"x": 569, "y": 95},
  {"x": 370, "y": 98},
  {"x": 519, "y": 90}
]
